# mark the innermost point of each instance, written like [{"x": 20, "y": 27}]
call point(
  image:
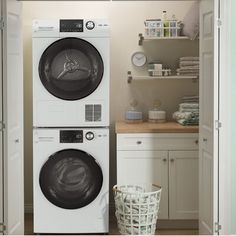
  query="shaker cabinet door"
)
[
  {"x": 135, "y": 167},
  {"x": 183, "y": 184}
]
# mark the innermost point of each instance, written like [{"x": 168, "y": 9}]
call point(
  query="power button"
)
[{"x": 89, "y": 135}]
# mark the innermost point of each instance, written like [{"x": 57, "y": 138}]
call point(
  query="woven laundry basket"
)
[{"x": 137, "y": 208}]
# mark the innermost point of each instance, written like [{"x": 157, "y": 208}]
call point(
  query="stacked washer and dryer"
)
[{"x": 71, "y": 125}]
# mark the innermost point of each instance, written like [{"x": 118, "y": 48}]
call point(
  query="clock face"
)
[{"x": 139, "y": 59}]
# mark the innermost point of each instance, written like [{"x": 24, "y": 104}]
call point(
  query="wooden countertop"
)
[{"x": 146, "y": 127}]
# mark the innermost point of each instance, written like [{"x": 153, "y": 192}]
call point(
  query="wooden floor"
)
[{"x": 113, "y": 228}]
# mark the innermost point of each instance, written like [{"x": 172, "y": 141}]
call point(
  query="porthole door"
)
[
  {"x": 71, "y": 179},
  {"x": 71, "y": 68}
]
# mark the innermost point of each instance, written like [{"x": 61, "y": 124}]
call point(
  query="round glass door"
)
[
  {"x": 71, "y": 179},
  {"x": 71, "y": 68}
]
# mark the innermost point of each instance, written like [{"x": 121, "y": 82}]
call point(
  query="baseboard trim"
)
[{"x": 28, "y": 208}]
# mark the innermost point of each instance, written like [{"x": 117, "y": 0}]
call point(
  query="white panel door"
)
[
  {"x": 1, "y": 150},
  {"x": 183, "y": 185},
  {"x": 208, "y": 136},
  {"x": 135, "y": 167},
  {"x": 13, "y": 117}
]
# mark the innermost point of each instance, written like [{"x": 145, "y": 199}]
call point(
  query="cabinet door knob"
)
[
  {"x": 172, "y": 160},
  {"x": 204, "y": 139},
  {"x": 196, "y": 141},
  {"x": 139, "y": 142},
  {"x": 164, "y": 159}
]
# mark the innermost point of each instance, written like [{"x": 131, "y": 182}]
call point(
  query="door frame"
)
[
  {"x": 224, "y": 115},
  {"x": 12, "y": 137}
]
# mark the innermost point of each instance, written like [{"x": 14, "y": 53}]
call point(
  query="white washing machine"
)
[
  {"x": 71, "y": 72},
  {"x": 71, "y": 180}
]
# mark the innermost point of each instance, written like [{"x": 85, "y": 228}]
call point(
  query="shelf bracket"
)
[
  {"x": 129, "y": 75},
  {"x": 141, "y": 38}
]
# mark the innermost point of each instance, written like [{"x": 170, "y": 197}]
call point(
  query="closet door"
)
[
  {"x": 13, "y": 118},
  {"x": 208, "y": 136}
]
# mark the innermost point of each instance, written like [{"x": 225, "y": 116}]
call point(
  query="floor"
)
[{"x": 113, "y": 228}]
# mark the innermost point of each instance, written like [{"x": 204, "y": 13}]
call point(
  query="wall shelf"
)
[
  {"x": 131, "y": 77},
  {"x": 142, "y": 38}
]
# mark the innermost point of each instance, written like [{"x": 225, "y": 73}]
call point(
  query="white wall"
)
[{"x": 126, "y": 18}]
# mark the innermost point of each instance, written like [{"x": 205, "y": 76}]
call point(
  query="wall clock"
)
[{"x": 138, "y": 59}]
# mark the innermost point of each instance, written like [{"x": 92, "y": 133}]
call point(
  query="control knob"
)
[
  {"x": 89, "y": 135},
  {"x": 90, "y": 25}
]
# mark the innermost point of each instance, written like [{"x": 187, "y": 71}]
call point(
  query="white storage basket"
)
[{"x": 137, "y": 208}]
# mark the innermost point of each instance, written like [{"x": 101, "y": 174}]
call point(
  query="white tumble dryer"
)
[
  {"x": 71, "y": 180},
  {"x": 71, "y": 60}
]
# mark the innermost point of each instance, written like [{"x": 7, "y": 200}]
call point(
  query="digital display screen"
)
[
  {"x": 71, "y": 136},
  {"x": 71, "y": 25}
]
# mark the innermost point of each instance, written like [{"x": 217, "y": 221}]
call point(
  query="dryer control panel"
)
[
  {"x": 71, "y": 25},
  {"x": 71, "y": 136}
]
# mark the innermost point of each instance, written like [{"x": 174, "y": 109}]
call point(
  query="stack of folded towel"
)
[
  {"x": 188, "y": 66},
  {"x": 188, "y": 113}
]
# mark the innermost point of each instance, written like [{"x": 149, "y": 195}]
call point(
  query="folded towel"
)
[
  {"x": 189, "y": 59},
  {"x": 189, "y": 67},
  {"x": 180, "y": 70},
  {"x": 187, "y": 74},
  {"x": 189, "y": 105},
  {"x": 190, "y": 97},
  {"x": 191, "y": 100},
  {"x": 189, "y": 110},
  {"x": 191, "y": 121},
  {"x": 188, "y": 63},
  {"x": 181, "y": 115}
]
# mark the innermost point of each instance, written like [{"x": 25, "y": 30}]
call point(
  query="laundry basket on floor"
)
[{"x": 137, "y": 208}]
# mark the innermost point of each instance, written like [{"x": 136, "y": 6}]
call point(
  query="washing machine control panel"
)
[
  {"x": 71, "y": 25},
  {"x": 71, "y": 136}
]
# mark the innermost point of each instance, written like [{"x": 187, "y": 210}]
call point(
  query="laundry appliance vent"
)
[{"x": 93, "y": 112}]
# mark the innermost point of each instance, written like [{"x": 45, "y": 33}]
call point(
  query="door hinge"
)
[
  {"x": 219, "y": 23},
  {"x": 217, "y": 227},
  {"x": 2, "y": 24},
  {"x": 2, "y": 126},
  {"x": 218, "y": 124},
  {"x": 2, "y": 228}
]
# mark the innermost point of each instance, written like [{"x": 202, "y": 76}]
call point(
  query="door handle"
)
[
  {"x": 17, "y": 140},
  {"x": 172, "y": 160},
  {"x": 139, "y": 142},
  {"x": 164, "y": 159}
]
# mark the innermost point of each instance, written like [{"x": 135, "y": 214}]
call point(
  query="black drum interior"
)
[
  {"x": 71, "y": 179},
  {"x": 71, "y": 68}
]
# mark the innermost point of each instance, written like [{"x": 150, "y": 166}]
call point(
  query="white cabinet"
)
[
  {"x": 169, "y": 160},
  {"x": 183, "y": 184},
  {"x": 138, "y": 167}
]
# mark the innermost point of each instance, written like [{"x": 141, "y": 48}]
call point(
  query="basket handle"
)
[
  {"x": 116, "y": 190},
  {"x": 156, "y": 185}
]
